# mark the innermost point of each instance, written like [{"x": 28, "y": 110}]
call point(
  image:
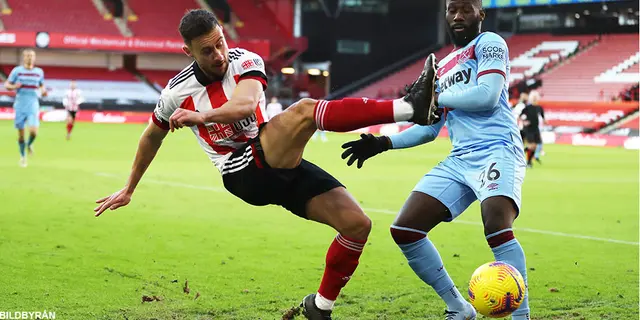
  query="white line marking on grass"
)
[
  {"x": 547, "y": 232},
  {"x": 166, "y": 183}
]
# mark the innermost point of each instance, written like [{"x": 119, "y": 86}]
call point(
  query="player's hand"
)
[
  {"x": 45, "y": 93},
  {"x": 365, "y": 148},
  {"x": 185, "y": 118},
  {"x": 119, "y": 199},
  {"x": 18, "y": 85}
]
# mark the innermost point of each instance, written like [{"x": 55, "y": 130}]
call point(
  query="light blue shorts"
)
[
  {"x": 460, "y": 180},
  {"x": 28, "y": 119}
]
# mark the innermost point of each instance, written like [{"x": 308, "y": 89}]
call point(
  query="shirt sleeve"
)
[
  {"x": 13, "y": 76},
  {"x": 416, "y": 135},
  {"x": 484, "y": 96},
  {"x": 252, "y": 67},
  {"x": 492, "y": 55},
  {"x": 164, "y": 109}
]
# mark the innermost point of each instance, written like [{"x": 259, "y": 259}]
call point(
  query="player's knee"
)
[
  {"x": 304, "y": 107},
  {"x": 358, "y": 227},
  {"x": 498, "y": 213},
  {"x": 21, "y": 139},
  {"x": 406, "y": 235}
]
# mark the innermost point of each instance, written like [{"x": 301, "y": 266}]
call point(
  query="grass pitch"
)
[{"x": 579, "y": 228}]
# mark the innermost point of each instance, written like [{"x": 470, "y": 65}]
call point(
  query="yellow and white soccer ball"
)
[{"x": 496, "y": 289}]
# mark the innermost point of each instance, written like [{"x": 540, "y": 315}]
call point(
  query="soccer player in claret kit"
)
[
  {"x": 27, "y": 80},
  {"x": 486, "y": 162},
  {"x": 221, "y": 97}
]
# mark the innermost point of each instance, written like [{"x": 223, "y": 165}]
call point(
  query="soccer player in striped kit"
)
[
  {"x": 220, "y": 97},
  {"x": 71, "y": 101}
]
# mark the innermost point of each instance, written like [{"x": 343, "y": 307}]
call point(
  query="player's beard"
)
[
  {"x": 218, "y": 71},
  {"x": 461, "y": 39}
]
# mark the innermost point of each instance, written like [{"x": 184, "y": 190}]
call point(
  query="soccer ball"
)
[{"x": 496, "y": 289}]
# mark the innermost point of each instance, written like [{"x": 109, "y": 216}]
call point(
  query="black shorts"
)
[
  {"x": 533, "y": 136},
  {"x": 72, "y": 114},
  {"x": 247, "y": 175}
]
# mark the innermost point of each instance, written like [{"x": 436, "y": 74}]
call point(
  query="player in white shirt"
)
[
  {"x": 274, "y": 108},
  {"x": 220, "y": 96},
  {"x": 71, "y": 102}
]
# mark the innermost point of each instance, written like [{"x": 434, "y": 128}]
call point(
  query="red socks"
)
[
  {"x": 69, "y": 128},
  {"x": 352, "y": 113},
  {"x": 341, "y": 263}
]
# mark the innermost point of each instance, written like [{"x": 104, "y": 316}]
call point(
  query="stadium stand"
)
[
  {"x": 389, "y": 86},
  {"x": 158, "y": 23},
  {"x": 264, "y": 24},
  {"x": 576, "y": 79},
  {"x": 159, "y": 78},
  {"x": 68, "y": 16},
  {"x": 533, "y": 54},
  {"x": 530, "y": 53}
]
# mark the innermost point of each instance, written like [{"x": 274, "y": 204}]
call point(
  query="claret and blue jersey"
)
[{"x": 26, "y": 102}]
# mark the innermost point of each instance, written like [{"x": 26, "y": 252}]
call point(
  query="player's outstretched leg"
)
[
  {"x": 498, "y": 214},
  {"x": 419, "y": 215},
  {"x": 286, "y": 135}
]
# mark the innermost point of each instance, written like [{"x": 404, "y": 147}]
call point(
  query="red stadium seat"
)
[
  {"x": 574, "y": 81},
  {"x": 159, "y": 77},
  {"x": 163, "y": 23},
  {"x": 66, "y": 16}
]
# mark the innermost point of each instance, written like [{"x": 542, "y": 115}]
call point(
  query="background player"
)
[
  {"x": 486, "y": 163},
  {"x": 531, "y": 116},
  {"x": 517, "y": 111},
  {"x": 71, "y": 101},
  {"x": 262, "y": 164},
  {"x": 27, "y": 80}
]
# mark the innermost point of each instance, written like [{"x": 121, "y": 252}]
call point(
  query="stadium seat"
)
[
  {"x": 158, "y": 23},
  {"x": 399, "y": 79},
  {"x": 68, "y": 16},
  {"x": 576, "y": 80},
  {"x": 159, "y": 78},
  {"x": 538, "y": 46}
]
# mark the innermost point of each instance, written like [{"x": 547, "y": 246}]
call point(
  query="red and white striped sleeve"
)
[
  {"x": 164, "y": 109},
  {"x": 251, "y": 66}
]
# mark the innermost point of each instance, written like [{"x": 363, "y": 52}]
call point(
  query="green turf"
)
[{"x": 255, "y": 263}]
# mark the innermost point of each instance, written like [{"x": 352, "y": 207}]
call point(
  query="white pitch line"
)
[
  {"x": 166, "y": 183},
  {"x": 546, "y": 232}
]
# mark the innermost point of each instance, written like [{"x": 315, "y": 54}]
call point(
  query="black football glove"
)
[{"x": 365, "y": 148}]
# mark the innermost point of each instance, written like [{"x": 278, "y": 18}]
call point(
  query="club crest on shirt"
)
[{"x": 465, "y": 55}]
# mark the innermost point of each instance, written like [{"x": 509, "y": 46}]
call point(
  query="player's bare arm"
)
[
  {"x": 150, "y": 142},
  {"x": 43, "y": 90},
  {"x": 12, "y": 86},
  {"x": 242, "y": 105}
]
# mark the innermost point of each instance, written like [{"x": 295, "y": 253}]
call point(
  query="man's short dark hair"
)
[{"x": 196, "y": 23}]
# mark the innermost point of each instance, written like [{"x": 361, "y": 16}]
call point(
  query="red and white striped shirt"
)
[
  {"x": 72, "y": 99},
  {"x": 191, "y": 89}
]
